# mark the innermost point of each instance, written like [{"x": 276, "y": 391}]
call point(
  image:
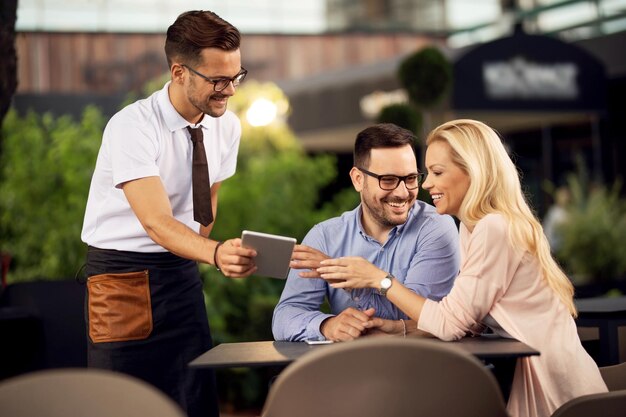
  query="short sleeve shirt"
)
[{"x": 150, "y": 138}]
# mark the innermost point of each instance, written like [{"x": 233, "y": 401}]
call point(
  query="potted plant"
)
[{"x": 592, "y": 245}]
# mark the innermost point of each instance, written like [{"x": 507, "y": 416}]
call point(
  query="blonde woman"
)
[{"x": 508, "y": 280}]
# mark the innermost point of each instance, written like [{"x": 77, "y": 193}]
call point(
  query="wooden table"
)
[
  {"x": 607, "y": 314},
  {"x": 499, "y": 354},
  {"x": 270, "y": 353}
]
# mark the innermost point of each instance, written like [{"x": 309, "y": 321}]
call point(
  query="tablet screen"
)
[{"x": 273, "y": 252}]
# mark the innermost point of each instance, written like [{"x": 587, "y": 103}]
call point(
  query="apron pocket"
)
[{"x": 119, "y": 307}]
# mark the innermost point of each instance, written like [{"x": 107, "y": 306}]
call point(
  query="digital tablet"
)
[{"x": 273, "y": 252}]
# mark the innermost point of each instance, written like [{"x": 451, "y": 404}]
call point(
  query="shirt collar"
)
[
  {"x": 173, "y": 119},
  {"x": 394, "y": 231}
]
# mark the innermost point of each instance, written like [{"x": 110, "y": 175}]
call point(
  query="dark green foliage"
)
[
  {"x": 427, "y": 76},
  {"x": 45, "y": 171},
  {"x": 593, "y": 245},
  {"x": 403, "y": 115}
]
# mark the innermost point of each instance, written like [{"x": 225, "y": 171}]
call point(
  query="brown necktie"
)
[{"x": 202, "y": 210}]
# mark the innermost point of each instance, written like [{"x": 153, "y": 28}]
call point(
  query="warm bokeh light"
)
[{"x": 262, "y": 112}]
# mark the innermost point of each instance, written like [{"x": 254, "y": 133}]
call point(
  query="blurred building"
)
[
  {"x": 549, "y": 75},
  {"x": 387, "y": 15},
  {"x": 339, "y": 72}
]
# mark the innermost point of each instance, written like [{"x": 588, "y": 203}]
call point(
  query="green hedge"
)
[{"x": 45, "y": 169}]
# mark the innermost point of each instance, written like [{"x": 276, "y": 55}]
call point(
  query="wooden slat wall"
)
[{"x": 109, "y": 63}]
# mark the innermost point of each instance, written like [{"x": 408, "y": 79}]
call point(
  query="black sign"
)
[{"x": 528, "y": 72}]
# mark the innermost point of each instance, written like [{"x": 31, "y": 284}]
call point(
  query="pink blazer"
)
[{"x": 506, "y": 283}]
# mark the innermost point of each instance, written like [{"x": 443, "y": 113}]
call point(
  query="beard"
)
[
  {"x": 378, "y": 209},
  {"x": 207, "y": 108},
  {"x": 206, "y": 105},
  {"x": 378, "y": 213}
]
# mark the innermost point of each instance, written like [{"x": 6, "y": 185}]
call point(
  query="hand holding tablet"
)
[{"x": 273, "y": 252}]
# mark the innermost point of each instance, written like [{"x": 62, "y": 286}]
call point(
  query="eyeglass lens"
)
[
  {"x": 223, "y": 83},
  {"x": 390, "y": 182}
]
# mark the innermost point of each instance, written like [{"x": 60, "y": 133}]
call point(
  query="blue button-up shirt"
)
[{"x": 422, "y": 254}]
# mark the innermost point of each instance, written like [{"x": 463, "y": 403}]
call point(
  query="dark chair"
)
[
  {"x": 607, "y": 404},
  {"x": 21, "y": 342},
  {"x": 389, "y": 377},
  {"x": 614, "y": 376},
  {"x": 56, "y": 310},
  {"x": 83, "y": 392}
]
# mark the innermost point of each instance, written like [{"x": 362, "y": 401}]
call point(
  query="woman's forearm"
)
[{"x": 406, "y": 300}]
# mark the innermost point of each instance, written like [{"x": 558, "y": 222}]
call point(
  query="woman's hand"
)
[
  {"x": 351, "y": 272},
  {"x": 379, "y": 327}
]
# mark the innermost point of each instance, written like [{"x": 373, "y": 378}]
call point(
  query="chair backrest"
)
[
  {"x": 58, "y": 307},
  {"x": 607, "y": 404},
  {"x": 83, "y": 392},
  {"x": 614, "y": 376},
  {"x": 388, "y": 377}
]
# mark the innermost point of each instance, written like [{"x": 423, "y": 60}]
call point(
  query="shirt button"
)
[{"x": 357, "y": 299}]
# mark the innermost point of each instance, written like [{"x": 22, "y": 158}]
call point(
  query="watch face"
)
[{"x": 385, "y": 283}]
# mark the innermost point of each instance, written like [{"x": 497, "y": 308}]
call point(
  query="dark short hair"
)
[
  {"x": 382, "y": 135},
  {"x": 196, "y": 30}
]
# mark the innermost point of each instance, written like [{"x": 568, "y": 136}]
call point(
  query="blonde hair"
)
[{"x": 495, "y": 188}]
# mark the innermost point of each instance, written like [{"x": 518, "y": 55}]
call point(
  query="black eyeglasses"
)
[
  {"x": 391, "y": 182},
  {"x": 220, "y": 84}
]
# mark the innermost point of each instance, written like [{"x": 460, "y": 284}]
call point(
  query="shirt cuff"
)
[{"x": 313, "y": 329}]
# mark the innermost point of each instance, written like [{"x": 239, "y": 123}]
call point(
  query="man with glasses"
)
[
  {"x": 151, "y": 207},
  {"x": 390, "y": 228}
]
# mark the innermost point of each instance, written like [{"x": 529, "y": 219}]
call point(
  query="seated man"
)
[{"x": 390, "y": 229}]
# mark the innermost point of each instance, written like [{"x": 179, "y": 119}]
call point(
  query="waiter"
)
[{"x": 151, "y": 207}]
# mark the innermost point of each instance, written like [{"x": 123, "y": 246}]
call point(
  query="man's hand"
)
[
  {"x": 347, "y": 325},
  {"x": 234, "y": 260},
  {"x": 306, "y": 257}
]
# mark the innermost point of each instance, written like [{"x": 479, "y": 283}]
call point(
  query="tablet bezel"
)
[{"x": 273, "y": 252}]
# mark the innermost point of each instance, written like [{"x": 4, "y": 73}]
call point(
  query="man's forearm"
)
[
  {"x": 180, "y": 239},
  {"x": 151, "y": 205}
]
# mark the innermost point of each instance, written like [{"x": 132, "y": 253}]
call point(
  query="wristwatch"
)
[{"x": 385, "y": 284}]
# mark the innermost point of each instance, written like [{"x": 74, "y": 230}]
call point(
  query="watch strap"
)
[{"x": 384, "y": 288}]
